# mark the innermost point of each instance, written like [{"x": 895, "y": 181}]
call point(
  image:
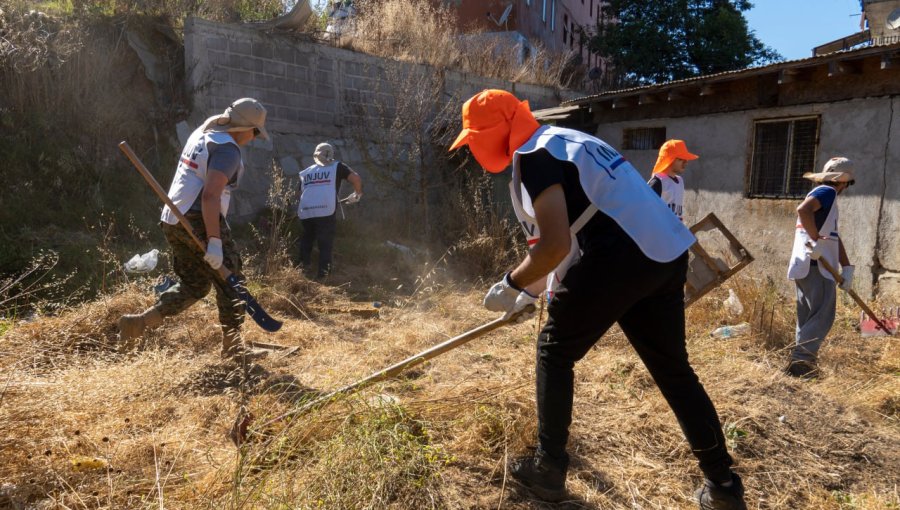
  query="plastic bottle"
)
[{"x": 731, "y": 331}]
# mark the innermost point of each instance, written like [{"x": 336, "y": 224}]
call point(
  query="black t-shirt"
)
[
  {"x": 343, "y": 171},
  {"x": 540, "y": 170},
  {"x": 656, "y": 185}
]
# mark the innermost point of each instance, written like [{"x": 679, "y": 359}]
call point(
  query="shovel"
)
[
  {"x": 881, "y": 326},
  {"x": 238, "y": 432},
  {"x": 253, "y": 308}
]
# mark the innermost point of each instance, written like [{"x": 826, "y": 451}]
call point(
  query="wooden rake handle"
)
[
  {"x": 840, "y": 279},
  {"x": 161, "y": 193}
]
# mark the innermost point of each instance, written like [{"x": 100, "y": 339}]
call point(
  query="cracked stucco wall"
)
[
  {"x": 888, "y": 245},
  {"x": 865, "y": 130}
]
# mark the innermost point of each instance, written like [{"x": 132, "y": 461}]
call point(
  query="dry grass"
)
[{"x": 438, "y": 437}]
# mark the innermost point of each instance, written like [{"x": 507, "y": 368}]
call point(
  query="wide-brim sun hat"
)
[
  {"x": 669, "y": 152},
  {"x": 324, "y": 154},
  {"x": 495, "y": 124},
  {"x": 836, "y": 170},
  {"x": 244, "y": 114}
]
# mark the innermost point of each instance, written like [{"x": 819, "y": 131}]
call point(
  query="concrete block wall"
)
[{"x": 313, "y": 93}]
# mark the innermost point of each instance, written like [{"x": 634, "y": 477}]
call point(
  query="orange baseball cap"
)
[
  {"x": 495, "y": 124},
  {"x": 669, "y": 152}
]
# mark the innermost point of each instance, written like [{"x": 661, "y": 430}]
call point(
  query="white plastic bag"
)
[
  {"x": 143, "y": 263},
  {"x": 733, "y": 305}
]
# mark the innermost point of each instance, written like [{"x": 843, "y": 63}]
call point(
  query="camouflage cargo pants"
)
[{"x": 195, "y": 276}]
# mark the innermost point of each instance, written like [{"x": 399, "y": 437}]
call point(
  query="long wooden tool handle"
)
[
  {"x": 124, "y": 147},
  {"x": 411, "y": 361},
  {"x": 839, "y": 279},
  {"x": 423, "y": 356}
]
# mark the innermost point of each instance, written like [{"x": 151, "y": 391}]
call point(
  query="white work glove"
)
[
  {"x": 814, "y": 250},
  {"x": 503, "y": 297},
  {"x": 353, "y": 198},
  {"x": 847, "y": 275},
  {"x": 523, "y": 301},
  {"x": 214, "y": 255}
]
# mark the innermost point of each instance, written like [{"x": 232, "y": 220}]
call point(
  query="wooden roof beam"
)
[
  {"x": 647, "y": 99},
  {"x": 842, "y": 68},
  {"x": 623, "y": 102},
  {"x": 707, "y": 89},
  {"x": 791, "y": 75}
]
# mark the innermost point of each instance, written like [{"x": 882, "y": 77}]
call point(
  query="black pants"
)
[
  {"x": 646, "y": 298},
  {"x": 320, "y": 230}
]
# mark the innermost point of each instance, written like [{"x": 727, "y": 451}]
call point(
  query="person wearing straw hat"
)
[
  {"x": 608, "y": 251},
  {"x": 209, "y": 170},
  {"x": 668, "y": 175},
  {"x": 816, "y": 236},
  {"x": 319, "y": 185}
]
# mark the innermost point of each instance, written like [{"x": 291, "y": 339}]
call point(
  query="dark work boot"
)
[
  {"x": 541, "y": 476},
  {"x": 805, "y": 370},
  {"x": 713, "y": 496}
]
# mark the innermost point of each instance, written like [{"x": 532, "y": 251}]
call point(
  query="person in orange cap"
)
[
  {"x": 608, "y": 251},
  {"x": 668, "y": 180}
]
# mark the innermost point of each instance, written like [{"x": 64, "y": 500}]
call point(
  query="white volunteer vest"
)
[
  {"x": 800, "y": 262},
  {"x": 673, "y": 194},
  {"x": 191, "y": 174},
  {"x": 613, "y": 186},
  {"x": 318, "y": 191}
]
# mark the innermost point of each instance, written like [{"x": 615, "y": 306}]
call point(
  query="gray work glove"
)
[
  {"x": 214, "y": 255},
  {"x": 503, "y": 297}
]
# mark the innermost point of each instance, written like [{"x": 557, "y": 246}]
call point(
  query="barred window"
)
[
  {"x": 783, "y": 150},
  {"x": 643, "y": 138}
]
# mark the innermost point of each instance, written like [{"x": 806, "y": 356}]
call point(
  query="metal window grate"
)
[
  {"x": 783, "y": 151},
  {"x": 643, "y": 138}
]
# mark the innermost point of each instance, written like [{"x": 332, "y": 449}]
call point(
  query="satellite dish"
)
[
  {"x": 503, "y": 17},
  {"x": 893, "y": 20},
  {"x": 295, "y": 18}
]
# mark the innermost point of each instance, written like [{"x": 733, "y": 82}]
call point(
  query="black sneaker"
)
[
  {"x": 540, "y": 476},
  {"x": 713, "y": 496},
  {"x": 805, "y": 370}
]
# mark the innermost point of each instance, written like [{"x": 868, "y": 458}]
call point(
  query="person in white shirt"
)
[
  {"x": 316, "y": 208},
  {"x": 816, "y": 236},
  {"x": 668, "y": 175},
  {"x": 209, "y": 170}
]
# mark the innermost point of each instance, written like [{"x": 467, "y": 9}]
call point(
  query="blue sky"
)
[{"x": 794, "y": 27}]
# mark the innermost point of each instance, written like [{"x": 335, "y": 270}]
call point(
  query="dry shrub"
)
[
  {"x": 32, "y": 39},
  {"x": 488, "y": 241},
  {"x": 411, "y": 30},
  {"x": 426, "y": 32}
]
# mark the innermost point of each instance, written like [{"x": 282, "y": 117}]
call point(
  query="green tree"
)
[{"x": 650, "y": 41}]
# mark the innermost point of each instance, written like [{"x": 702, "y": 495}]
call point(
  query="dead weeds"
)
[{"x": 159, "y": 417}]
